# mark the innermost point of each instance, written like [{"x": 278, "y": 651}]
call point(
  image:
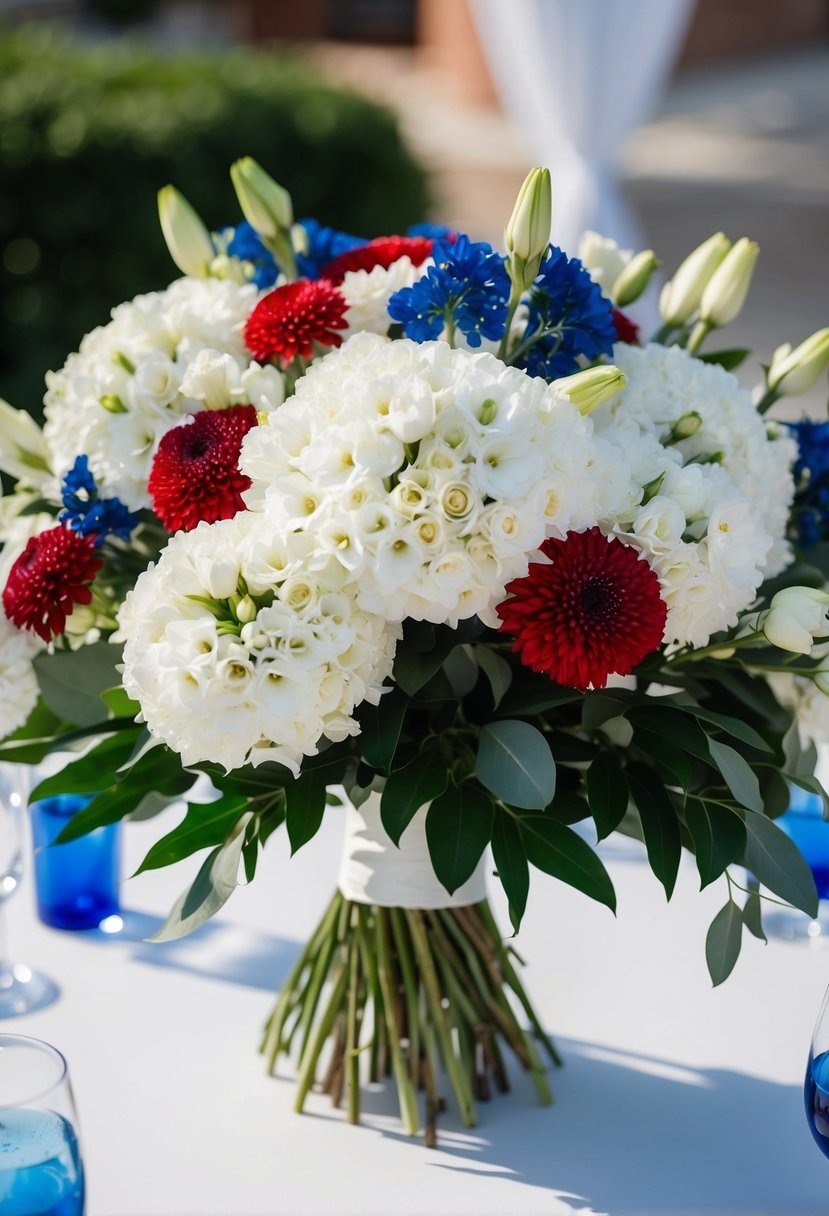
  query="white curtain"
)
[{"x": 577, "y": 76}]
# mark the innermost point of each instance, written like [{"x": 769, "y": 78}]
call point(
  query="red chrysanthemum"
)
[
  {"x": 287, "y": 321},
  {"x": 626, "y": 330},
  {"x": 383, "y": 251},
  {"x": 49, "y": 578},
  {"x": 594, "y": 611},
  {"x": 195, "y": 474}
]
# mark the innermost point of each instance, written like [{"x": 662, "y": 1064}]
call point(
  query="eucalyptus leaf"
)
[
  {"x": 497, "y": 671},
  {"x": 719, "y": 837},
  {"x": 73, "y": 689},
  {"x": 778, "y": 864},
  {"x": 514, "y": 761},
  {"x": 732, "y": 726},
  {"x": 558, "y": 850},
  {"x": 737, "y": 775},
  {"x": 722, "y": 945},
  {"x": 214, "y": 884},
  {"x": 458, "y": 829},
  {"x": 461, "y": 670}
]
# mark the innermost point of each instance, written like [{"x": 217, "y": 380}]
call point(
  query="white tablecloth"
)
[{"x": 674, "y": 1098}]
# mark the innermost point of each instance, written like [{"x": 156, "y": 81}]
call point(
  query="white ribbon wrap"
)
[{"x": 374, "y": 871}]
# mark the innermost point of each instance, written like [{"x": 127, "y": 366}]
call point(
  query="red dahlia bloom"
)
[
  {"x": 195, "y": 474},
  {"x": 383, "y": 251},
  {"x": 626, "y": 330},
  {"x": 49, "y": 578},
  {"x": 595, "y": 611},
  {"x": 286, "y": 322}
]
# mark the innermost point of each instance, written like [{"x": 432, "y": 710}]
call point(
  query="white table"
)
[{"x": 675, "y": 1098}]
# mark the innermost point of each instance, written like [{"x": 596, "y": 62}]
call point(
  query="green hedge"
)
[{"x": 88, "y": 135}]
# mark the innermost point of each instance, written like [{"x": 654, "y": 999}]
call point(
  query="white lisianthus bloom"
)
[
  {"x": 18, "y": 683},
  {"x": 367, "y": 293},
  {"x": 458, "y": 467},
  {"x": 603, "y": 260},
  {"x": 162, "y": 357},
  {"x": 267, "y": 674}
]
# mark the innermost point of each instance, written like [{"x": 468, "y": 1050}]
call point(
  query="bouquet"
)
[{"x": 418, "y": 534}]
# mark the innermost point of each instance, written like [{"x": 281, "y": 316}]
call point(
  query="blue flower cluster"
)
[
  {"x": 572, "y": 317},
  {"x": 88, "y": 514},
  {"x": 810, "y": 512},
  {"x": 324, "y": 244},
  {"x": 246, "y": 244},
  {"x": 467, "y": 288}
]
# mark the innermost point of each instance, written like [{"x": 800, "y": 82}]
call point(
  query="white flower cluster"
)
[
  {"x": 430, "y": 474},
  {"x": 162, "y": 356},
  {"x": 711, "y": 528},
  {"x": 281, "y": 663},
  {"x": 18, "y": 683},
  {"x": 603, "y": 260},
  {"x": 367, "y": 293}
]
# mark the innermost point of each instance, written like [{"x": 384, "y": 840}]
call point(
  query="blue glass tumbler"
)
[
  {"x": 804, "y": 822},
  {"x": 76, "y": 883}
]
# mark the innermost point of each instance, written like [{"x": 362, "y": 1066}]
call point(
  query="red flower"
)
[
  {"x": 383, "y": 251},
  {"x": 626, "y": 330},
  {"x": 287, "y": 321},
  {"x": 49, "y": 578},
  {"x": 195, "y": 474},
  {"x": 594, "y": 611}
]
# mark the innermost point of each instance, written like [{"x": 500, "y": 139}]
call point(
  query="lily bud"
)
[
  {"x": 684, "y": 428},
  {"x": 727, "y": 288},
  {"x": 527, "y": 234},
  {"x": 795, "y": 617},
  {"x": 796, "y": 371},
  {"x": 592, "y": 387},
  {"x": 246, "y": 610},
  {"x": 187, "y": 238},
  {"x": 681, "y": 297},
  {"x": 634, "y": 279},
  {"x": 265, "y": 204},
  {"x": 23, "y": 452}
]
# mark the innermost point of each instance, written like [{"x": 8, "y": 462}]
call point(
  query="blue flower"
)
[
  {"x": 467, "y": 288},
  {"x": 88, "y": 514},
  {"x": 246, "y": 244},
  {"x": 572, "y": 316},
  {"x": 433, "y": 232},
  {"x": 810, "y": 511},
  {"x": 324, "y": 244}
]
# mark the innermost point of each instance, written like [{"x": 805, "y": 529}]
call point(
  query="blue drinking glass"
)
[
  {"x": 41, "y": 1172},
  {"x": 816, "y": 1087},
  {"x": 77, "y": 883}
]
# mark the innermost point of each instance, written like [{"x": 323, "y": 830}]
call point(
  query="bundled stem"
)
[{"x": 417, "y": 992}]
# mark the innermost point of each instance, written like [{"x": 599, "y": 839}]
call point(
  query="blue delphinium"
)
[
  {"x": 571, "y": 317},
  {"x": 246, "y": 244},
  {"x": 84, "y": 512},
  {"x": 467, "y": 289},
  {"x": 432, "y": 232},
  {"x": 323, "y": 245},
  {"x": 810, "y": 511}
]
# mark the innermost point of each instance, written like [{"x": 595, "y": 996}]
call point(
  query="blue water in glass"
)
[
  {"x": 77, "y": 883},
  {"x": 816, "y": 1096},
  {"x": 40, "y": 1164},
  {"x": 804, "y": 822}
]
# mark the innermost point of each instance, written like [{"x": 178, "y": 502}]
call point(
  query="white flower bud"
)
[
  {"x": 527, "y": 234},
  {"x": 23, "y": 451},
  {"x": 634, "y": 279},
  {"x": 265, "y": 204},
  {"x": 796, "y": 371},
  {"x": 595, "y": 385},
  {"x": 681, "y": 297},
  {"x": 795, "y": 617},
  {"x": 187, "y": 238},
  {"x": 726, "y": 290}
]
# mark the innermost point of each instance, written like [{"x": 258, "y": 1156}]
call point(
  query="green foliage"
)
[{"x": 88, "y": 136}]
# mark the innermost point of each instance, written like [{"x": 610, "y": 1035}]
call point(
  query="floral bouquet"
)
[{"x": 419, "y": 535}]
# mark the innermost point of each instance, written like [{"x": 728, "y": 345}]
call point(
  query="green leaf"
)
[
  {"x": 92, "y": 772},
  {"x": 497, "y": 670},
  {"x": 305, "y": 806},
  {"x": 510, "y": 860},
  {"x": 407, "y": 789},
  {"x": 72, "y": 682},
  {"x": 813, "y": 786},
  {"x": 214, "y": 884},
  {"x": 722, "y": 945},
  {"x": 607, "y": 792},
  {"x": 664, "y": 755},
  {"x": 737, "y": 775},
  {"x": 461, "y": 670},
  {"x": 660, "y": 827},
  {"x": 458, "y": 829},
  {"x": 599, "y": 707},
  {"x": 530, "y": 693},
  {"x": 778, "y": 864},
  {"x": 558, "y": 850},
  {"x": 568, "y": 807},
  {"x": 673, "y": 725},
  {"x": 753, "y": 915},
  {"x": 380, "y": 728},
  {"x": 514, "y": 761},
  {"x": 732, "y": 726},
  {"x": 204, "y": 825},
  {"x": 719, "y": 837},
  {"x": 729, "y": 359},
  {"x": 423, "y": 650},
  {"x": 119, "y": 703}
]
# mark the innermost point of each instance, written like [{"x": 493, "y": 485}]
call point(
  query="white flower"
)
[
  {"x": 602, "y": 259},
  {"x": 162, "y": 356},
  {"x": 18, "y": 684},
  {"x": 795, "y": 617},
  {"x": 367, "y": 293},
  {"x": 265, "y": 687}
]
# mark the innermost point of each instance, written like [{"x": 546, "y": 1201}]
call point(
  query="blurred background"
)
[{"x": 662, "y": 121}]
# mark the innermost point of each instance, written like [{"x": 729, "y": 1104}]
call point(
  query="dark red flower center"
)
[{"x": 195, "y": 474}]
